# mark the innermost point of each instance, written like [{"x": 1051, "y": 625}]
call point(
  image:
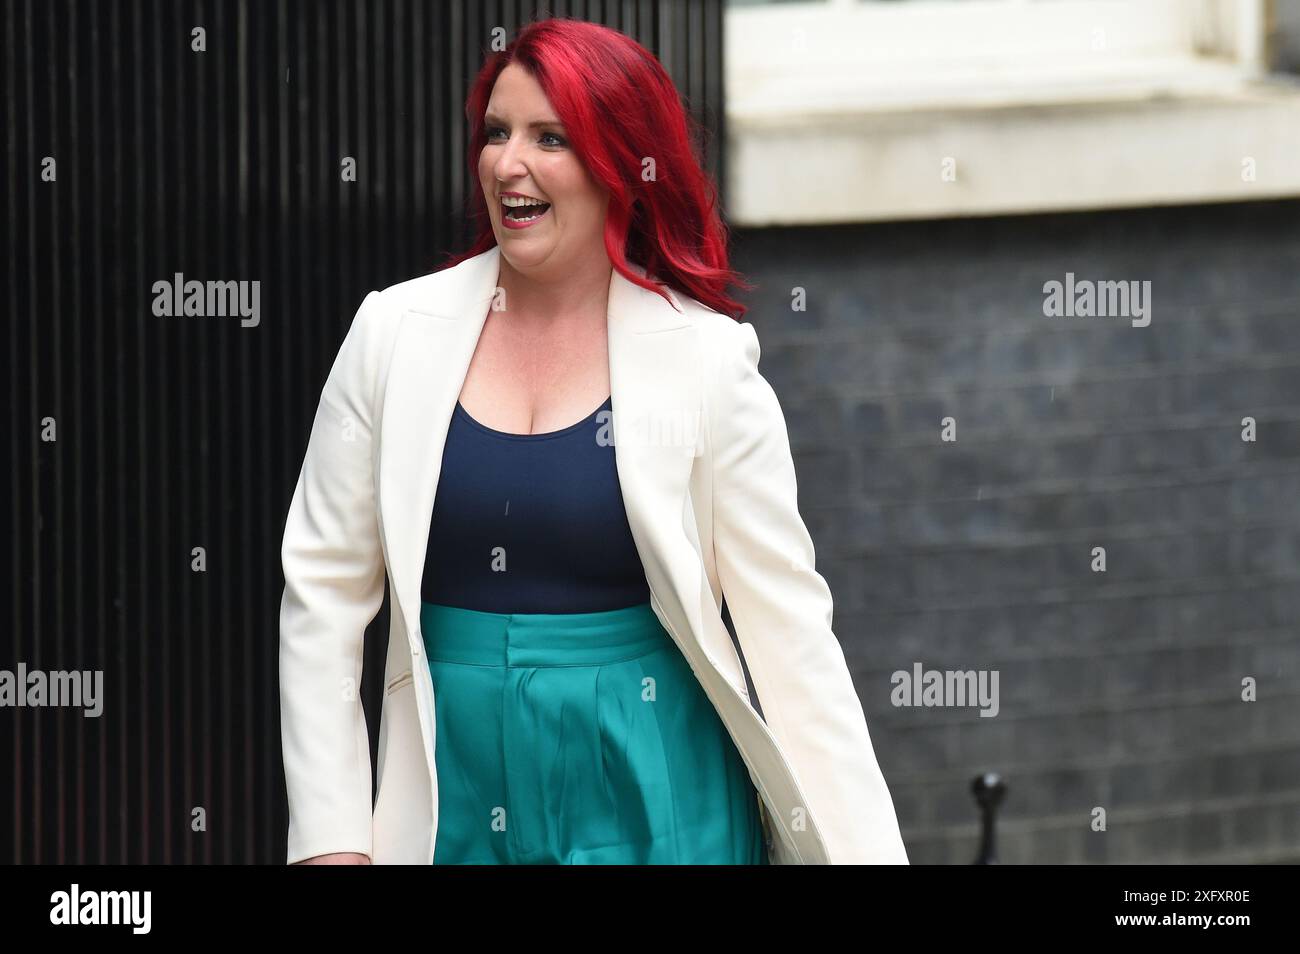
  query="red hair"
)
[{"x": 618, "y": 106}]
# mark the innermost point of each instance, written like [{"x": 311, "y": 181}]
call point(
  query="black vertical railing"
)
[{"x": 152, "y": 460}]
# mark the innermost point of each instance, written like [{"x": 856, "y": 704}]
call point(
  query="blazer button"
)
[{"x": 415, "y": 649}]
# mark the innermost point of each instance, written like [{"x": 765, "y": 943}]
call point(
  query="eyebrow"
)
[{"x": 494, "y": 118}]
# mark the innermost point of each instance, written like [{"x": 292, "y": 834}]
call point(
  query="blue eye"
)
[{"x": 491, "y": 131}]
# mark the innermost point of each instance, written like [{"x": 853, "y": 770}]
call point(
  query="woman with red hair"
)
[{"x": 560, "y": 686}]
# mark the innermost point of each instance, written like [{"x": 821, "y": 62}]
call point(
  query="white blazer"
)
[{"x": 707, "y": 478}]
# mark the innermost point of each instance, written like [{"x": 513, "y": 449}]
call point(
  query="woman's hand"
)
[{"x": 337, "y": 858}]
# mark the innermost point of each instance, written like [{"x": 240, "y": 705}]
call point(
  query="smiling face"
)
[{"x": 527, "y": 152}]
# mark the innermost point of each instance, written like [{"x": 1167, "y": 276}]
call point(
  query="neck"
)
[{"x": 543, "y": 298}]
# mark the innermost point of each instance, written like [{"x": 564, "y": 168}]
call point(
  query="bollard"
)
[{"x": 988, "y": 790}]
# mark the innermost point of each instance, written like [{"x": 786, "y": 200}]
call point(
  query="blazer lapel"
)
[
  {"x": 431, "y": 356},
  {"x": 655, "y": 382},
  {"x": 655, "y": 388}
]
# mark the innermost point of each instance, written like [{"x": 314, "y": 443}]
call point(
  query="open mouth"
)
[{"x": 525, "y": 213}]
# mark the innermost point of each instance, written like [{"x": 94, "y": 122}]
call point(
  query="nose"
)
[{"x": 508, "y": 165}]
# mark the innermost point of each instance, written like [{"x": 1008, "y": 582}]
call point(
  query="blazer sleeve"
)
[
  {"x": 781, "y": 608},
  {"x": 334, "y": 584}
]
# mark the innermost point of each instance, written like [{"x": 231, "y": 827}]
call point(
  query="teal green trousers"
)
[{"x": 580, "y": 739}]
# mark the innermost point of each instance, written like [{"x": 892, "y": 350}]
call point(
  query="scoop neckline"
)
[{"x": 544, "y": 435}]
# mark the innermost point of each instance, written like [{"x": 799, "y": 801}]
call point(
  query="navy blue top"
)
[{"x": 531, "y": 523}]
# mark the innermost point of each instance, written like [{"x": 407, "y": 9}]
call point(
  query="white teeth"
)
[{"x": 510, "y": 202}]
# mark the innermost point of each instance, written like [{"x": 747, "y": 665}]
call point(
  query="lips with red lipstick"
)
[{"x": 518, "y": 207}]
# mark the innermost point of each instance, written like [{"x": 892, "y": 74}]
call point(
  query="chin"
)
[{"x": 524, "y": 258}]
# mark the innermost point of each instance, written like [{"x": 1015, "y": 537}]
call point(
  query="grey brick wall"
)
[
  {"x": 1120, "y": 690},
  {"x": 1285, "y": 38}
]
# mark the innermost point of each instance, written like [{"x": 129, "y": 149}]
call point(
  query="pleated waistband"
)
[{"x": 457, "y": 635}]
